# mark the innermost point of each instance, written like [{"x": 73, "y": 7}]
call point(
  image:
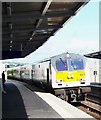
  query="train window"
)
[
  {"x": 77, "y": 64},
  {"x": 95, "y": 72},
  {"x": 61, "y": 65}
]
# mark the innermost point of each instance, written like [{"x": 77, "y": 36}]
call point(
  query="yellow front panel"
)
[{"x": 70, "y": 76}]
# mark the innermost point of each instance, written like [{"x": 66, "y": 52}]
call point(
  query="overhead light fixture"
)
[
  {"x": 31, "y": 38},
  {"x": 11, "y": 41},
  {"x": 11, "y": 35},
  {"x": 10, "y": 25},
  {"x": 45, "y": 32}
]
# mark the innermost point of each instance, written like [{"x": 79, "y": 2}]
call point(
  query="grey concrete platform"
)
[
  {"x": 23, "y": 103},
  {"x": 20, "y": 102}
]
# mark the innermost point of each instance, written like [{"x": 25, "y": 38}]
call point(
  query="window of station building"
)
[
  {"x": 61, "y": 65},
  {"x": 76, "y": 64}
]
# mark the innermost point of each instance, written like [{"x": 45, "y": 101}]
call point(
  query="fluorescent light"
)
[{"x": 11, "y": 41}]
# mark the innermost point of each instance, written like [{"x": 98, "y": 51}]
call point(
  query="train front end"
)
[{"x": 69, "y": 73}]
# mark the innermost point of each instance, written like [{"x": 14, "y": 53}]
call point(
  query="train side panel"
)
[
  {"x": 26, "y": 72},
  {"x": 41, "y": 72}
]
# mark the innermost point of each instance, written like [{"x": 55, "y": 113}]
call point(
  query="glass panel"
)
[
  {"x": 61, "y": 65},
  {"x": 77, "y": 64}
]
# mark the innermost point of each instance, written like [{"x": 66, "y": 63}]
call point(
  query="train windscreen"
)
[
  {"x": 76, "y": 64},
  {"x": 61, "y": 65}
]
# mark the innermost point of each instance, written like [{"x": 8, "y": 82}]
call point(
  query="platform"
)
[{"x": 20, "y": 102}]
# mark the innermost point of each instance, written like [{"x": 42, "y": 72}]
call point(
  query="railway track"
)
[
  {"x": 92, "y": 103},
  {"x": 94, "y": 98},
  {"x": 90, "y": 108},
  {"x": 96, "y": 101}
]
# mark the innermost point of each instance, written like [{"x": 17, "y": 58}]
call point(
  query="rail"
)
[{"x": 90, "y": 108}]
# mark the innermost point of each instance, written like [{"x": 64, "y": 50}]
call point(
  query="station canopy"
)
[
  {"x": 27, "y": 25},
  {"x": 94, "y": 55}
]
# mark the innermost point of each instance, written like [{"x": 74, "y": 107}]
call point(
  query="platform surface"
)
[{"x": 20, "y": 102}]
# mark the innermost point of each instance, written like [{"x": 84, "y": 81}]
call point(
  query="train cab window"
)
[
  {"x": 61, "y": 65},
  {"x": 76, "y": 64}
]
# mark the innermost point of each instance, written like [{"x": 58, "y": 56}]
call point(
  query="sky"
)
[{"x": 79, "y": 35}]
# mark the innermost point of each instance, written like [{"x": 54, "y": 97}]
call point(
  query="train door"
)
[
  {"x": 48, "y": 76},
  {"x": 32, "y": 74}
]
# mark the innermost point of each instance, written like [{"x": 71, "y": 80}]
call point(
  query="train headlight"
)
[
  {"x": 82, "y": 81},
  {"x": 70, "y": 76},
  {"x": 59, "y": 81}
]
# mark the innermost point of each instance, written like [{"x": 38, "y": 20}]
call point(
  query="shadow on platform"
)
[{"x": 12, "y": 103}]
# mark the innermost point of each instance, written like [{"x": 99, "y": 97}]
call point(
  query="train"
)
[{"x": 65, "y": 75}]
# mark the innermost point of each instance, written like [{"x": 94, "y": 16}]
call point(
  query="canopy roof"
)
[
  {"x": 27, "y": 25},
  {"x": 94, "y": 55}
]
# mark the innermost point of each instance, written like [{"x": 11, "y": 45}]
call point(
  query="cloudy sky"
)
[{"x": 80, "y": 35}]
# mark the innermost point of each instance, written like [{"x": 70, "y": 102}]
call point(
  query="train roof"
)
[{"x": 48, "y": 59}]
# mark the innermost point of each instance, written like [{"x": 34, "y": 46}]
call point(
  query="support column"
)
[
  {"x": 100, "y": 40},
  {"x": 0, "y": 59}
]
